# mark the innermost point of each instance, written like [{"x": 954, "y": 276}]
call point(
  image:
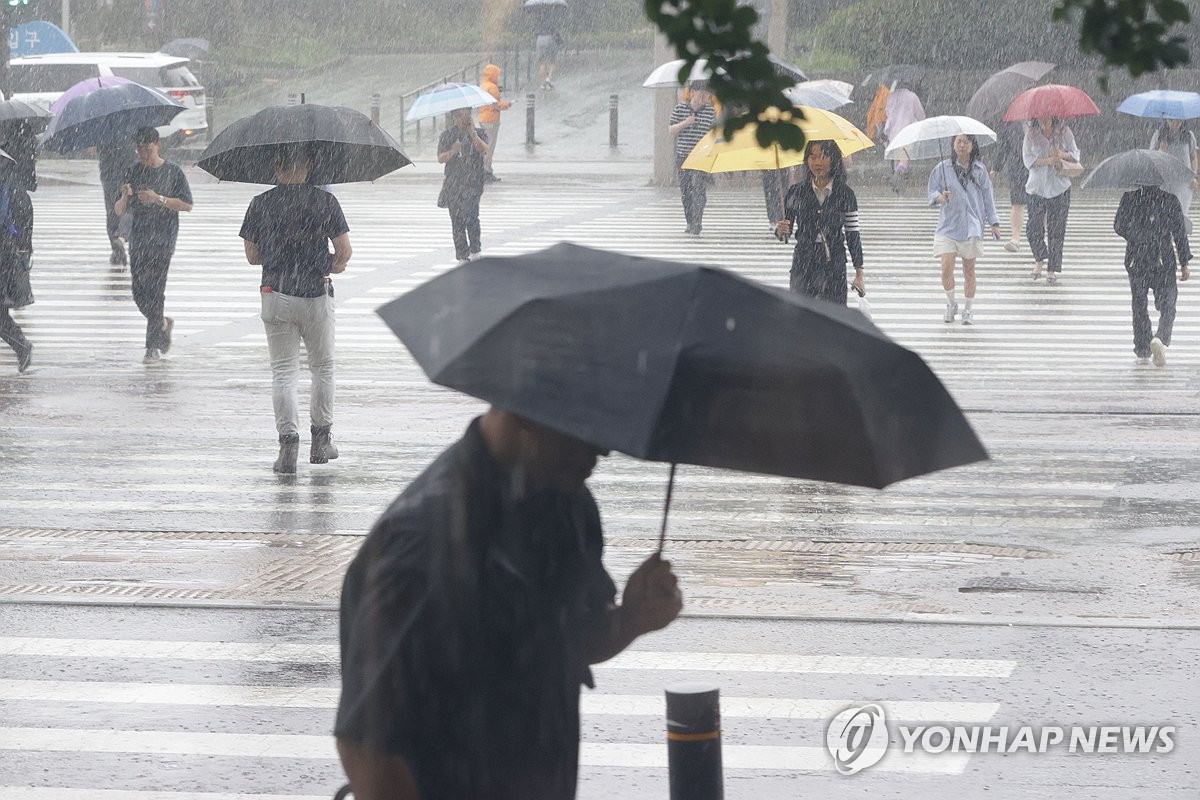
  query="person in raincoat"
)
[
  {"x": 16, "y": 248},
  {"x": 1049, "y": 146},
  {"x": 489, "y": 116},
  {"x": 1151, "y": 222},
  {"x": 1174, "y": 139},
  {"x": 288, "y": 230},
  {"x": 463, "y": 148},
  {"x": 903, "y": 109},
  {"x": 961, "y": 189},
  {"x": 471, "y": 616},
  {"x": 689, "y": 121},
  {"x": 821, "y": 211},
  {"x": 877, "y": 112}
]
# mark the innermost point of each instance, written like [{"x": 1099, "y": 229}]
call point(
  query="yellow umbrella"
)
[{"x": 743, "y": 153}]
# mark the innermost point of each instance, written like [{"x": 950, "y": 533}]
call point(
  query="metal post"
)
[
  {"x": 376, "y": 100},
  {"x": 402, "y": 121},
  {"x": 66, "y": 17},
  {"x": 530, "y": 101},
  {"x": 209, "y": 119},
  {"x": 302, "y": 98},
  {"x": 528, "y": 68},
  {"x": 516, "y": 73},
  {"x": 613, "y": 99},
  {"x": 694, "y": 742}
]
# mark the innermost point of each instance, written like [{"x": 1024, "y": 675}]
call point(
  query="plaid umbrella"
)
[{"x": 449, "y": 97}]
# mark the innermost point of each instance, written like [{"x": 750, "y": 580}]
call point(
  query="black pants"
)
[
  {"x": 114, "y": 225},
  {"x": 815, "y": 275},
  {"x": 1047, "y": 228},
  {"x": 11, "y": 333},
  {"x": 1166, "y": 292},
  {"x": 693, "y": 190},
  {"x": 464, "y": 225},
  {"x": 774, "y": 182},
  {"x": 148, "y": 273}
]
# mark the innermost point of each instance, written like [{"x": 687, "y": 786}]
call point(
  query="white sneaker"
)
[
  {"x": 463, "y": 262},
  {"x": 1037, "y": 269},
  {"x": 1052, "y": 278},
  {"x": 968, "y": 316},
  {"x": 475, "y": 256},
  {"x": 951, "y": 310},
  {"x": 1158, "y": 352},
  {"x": 1142, "y": 361},
  {"x": 154, "y": 356},
  {"x": 1011, "y": 245}
]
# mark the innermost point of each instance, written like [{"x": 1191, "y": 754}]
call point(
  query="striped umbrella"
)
[{"x": 448, "y": 97}]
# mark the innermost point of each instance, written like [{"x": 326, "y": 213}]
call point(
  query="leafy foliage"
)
[
  {"x": 1132, "y": 34},
  {"x": 743, "y": 78}
]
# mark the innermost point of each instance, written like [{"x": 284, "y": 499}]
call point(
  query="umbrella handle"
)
[{"x": 662, "y": 533}]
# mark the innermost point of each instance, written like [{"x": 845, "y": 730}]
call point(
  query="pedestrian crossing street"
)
[{"x": 250, "y": 718}]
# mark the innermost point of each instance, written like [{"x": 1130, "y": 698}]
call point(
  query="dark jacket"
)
[
  {"x": 833, "y": 225},
  {"x": 16, "y": 245},
  {"x": 1151, "y": 222},
  {"x": 464, "y": 619}
]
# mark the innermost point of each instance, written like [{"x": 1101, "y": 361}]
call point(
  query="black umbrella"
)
[
  {"x": 186, "y": 48},
  {"x": 108, "y": 115},
  {"x": 345, "y": 146},
  {"x": 996, "y": 94},
  {"x": 684, "y": 364},
  {"x": 787, "y": 69},
  {"x": 18, "y": 112},
  {"x": 1138, "y": 168}
]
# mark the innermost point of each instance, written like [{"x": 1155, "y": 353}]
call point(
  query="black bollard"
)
[
  {"x": 530, "y": 101},
  {"x": 612, "y": 119},
  {"x": 376, "y": 101},
  {"x": 694, "y": 741}
]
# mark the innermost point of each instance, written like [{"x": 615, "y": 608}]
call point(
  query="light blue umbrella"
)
[
  {"x": 448, "y": 97},
  {"x": 1162, "y": 104}
]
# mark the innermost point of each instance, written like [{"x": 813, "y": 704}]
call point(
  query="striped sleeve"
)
[{"x": 853, "y": 234}]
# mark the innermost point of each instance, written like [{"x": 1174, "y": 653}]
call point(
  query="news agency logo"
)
[{"x": 857, "y": 738}]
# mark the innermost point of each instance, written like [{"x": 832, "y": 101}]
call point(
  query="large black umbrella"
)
[
  {"x": 108, "y": 115},
  {"x": 186, "y": 48},
  {"x": 996, "y": 94},
  {"x": 684, "y": 364},
  {"x": 345, "y": 146},
  {"x": 1138, "y": 168},
  {"x": 20, "y": 113}
]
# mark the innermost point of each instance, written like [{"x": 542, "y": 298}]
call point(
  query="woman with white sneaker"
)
[{"x": 961, "y": 189}]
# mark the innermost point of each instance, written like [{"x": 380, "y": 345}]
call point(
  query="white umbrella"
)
[
  {"x": 804, "y": 94},
  {"x": 832, "y": 86},
  {"x": 448, "y": 97},
  {"x": 666, "y": 76},
  {"x": 928, "y": 137}
]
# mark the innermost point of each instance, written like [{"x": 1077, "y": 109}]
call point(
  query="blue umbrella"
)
[
  {"x": 449, "y": 97},
  {"x": 108, "y": 116},
  {"x": 1162, "y": 104}
]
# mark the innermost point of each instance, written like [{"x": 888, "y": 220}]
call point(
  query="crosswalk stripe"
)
[{"x": 591, "y": 703}]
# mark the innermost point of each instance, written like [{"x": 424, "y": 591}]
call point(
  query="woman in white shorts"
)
[{"x": 962, "y": 191}]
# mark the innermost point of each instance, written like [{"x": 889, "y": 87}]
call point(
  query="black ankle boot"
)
[
  {"x": 323, "y": 449},
  {"x": 289, "y": 448}
]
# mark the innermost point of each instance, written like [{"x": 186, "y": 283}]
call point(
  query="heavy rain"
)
[{"x": 541, "y": 399}]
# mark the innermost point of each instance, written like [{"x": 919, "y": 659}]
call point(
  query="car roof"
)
[{"x": 107, "y": 59}]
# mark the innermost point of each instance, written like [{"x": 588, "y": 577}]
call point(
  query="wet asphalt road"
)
[{"x": 129, "y": 484}]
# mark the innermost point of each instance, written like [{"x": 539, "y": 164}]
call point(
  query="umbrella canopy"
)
[
  {"x": 186, "y": 48},
  {"x": 18, "y": 112},
  {"x": 345, "y": 146},
  {"x": 449, "y": 97},
  {"x": 108, "y": 116},
  {"x": 1138, "y": 168},
  {"x": 85, "y": 87},
  {"x": 802, "y": 94},
  {"x": 930, "y": 137},
  {"x": 786, "y": 69},
  {"x": 895, "y": 76},
  {"x": 996, "y": 94},
  {"x": 829, "y": 85},
  {"x": 544, "y": 4},
  {"x": 743, "y": 153},
  {"x": 1162, "y": 104},
  {"x": 666, "y": 76},
  {"x": 1051, "y": 100},
  {"x": 684, "y": 364}
]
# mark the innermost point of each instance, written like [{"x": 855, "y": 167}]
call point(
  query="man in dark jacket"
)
[
  {"x": 471, "y": 615},
  {"x": 463, "y": 149},
  {"x": 1151, "y": 222}
]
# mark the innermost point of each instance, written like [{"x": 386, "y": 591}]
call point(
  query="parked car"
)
[{"x": 40, "y": 80}]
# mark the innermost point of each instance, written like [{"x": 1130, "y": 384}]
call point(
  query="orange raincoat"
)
[{"x": 491, "y": 85}]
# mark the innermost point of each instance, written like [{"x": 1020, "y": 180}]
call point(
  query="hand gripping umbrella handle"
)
[{"x": 662, "y": 534}]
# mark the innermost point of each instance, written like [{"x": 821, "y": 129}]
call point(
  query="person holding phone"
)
[
  {"x": 463, "y": 148},
  {"x": 1049, "y": 151},
  {"x": 155, "y": 191},
  {"x": 961, "y": 189}
]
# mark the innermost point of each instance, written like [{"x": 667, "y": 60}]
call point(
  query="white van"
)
[{"x": 40, "y": 80}]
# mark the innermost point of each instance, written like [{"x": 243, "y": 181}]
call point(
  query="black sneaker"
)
[
  {"x": 165, "y": 339},
  {"x": 118, "y": 257},
  {"x": 24, "y": 357}
]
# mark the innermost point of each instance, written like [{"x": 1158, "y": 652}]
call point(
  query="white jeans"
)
[{"x": 290, "y": 320}]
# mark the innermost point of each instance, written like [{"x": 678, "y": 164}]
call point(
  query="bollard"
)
[
  {"x": 209, "y": 118},
  {"x": 376, "y": 101},
  {"x": 530, "y": 100},
  {"x": 612, "y": 119},
  {"x": 694, "y": 741}
]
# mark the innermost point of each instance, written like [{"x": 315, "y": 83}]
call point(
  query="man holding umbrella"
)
[{"x": 155, "y": 192}]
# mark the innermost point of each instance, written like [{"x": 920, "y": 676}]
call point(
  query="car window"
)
[
  {"x": 146, "y": 76},
  {"x": 30, "y": 78},
  {"x": 180, "y": 76}
]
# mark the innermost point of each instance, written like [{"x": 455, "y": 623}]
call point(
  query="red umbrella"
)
[{"x": 1053, "y": 100}]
